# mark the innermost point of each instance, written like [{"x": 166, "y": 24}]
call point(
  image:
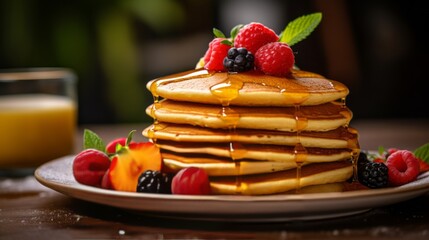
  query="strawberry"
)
[
  {"x": 213, "y": 59},
  {"x": 131, "y": 162},
  {"x": 392, "y": 150},
  {"x": 403, "y": 167},
  {"x": 275, "y": 59},
  {"x": 379, "y": 160},
  {"x": 253, "y": 36},
  {"x": 111, "y": 146}
]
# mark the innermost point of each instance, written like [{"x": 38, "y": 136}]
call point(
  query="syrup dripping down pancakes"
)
[{"x": 254, "y": 133}]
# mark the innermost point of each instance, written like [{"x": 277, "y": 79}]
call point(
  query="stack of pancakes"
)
[{"x": 254, "y": 133}]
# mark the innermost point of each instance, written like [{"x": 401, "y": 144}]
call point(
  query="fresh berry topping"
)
[
  {"x": 191, "y": 180},
  {"x": 111, "y": 146},
  {"x": 238, "y": 60},
  {"x": 89, "y": 167},
  {"x": 403, "y": 167},
  {"x": 214, "y": 56},
  {"x": 275, "y": 59},
  {"x": 373, "y": 175},
  {"x": 154, "y": 182},
  {"x": 253, "y": 36}
]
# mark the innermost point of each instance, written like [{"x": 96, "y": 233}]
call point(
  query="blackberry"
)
[
  {"x": 154, "y": 182},
  {"x": 362, "y": 160},
  {"x": 238, "y": 60},
  {"x": 373, "y": 174}
]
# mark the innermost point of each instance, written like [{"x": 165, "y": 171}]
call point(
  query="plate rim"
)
[{"x": 76, "y": 190}]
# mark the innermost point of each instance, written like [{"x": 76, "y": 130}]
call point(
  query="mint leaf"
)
[
  {"x": 92, "y": 140},
  {"x": 226, "y": 42},
  {"x": 218, "y": 33},
  {"x": 300, "y": 28},
  {"x": 130, "y": 137},
  {"x": 381, "y": 150},
  {"x": 422, "y": 152},
  {"x": 234, "y": 31}
]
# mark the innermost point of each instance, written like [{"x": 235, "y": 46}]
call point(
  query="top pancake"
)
[{"x": 248, "y": 89}]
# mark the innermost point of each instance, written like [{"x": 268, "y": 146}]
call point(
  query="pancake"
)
[
  {"x": 221, "y": 166},
  {"x": 277, "y": 153},
  {"x": 248, "y": 88},
  {"x": 253, "y": 133},
  {"x": 341, "y": 137},
  {"x": 279, "y": 182},
  {"x": 323, "y": 117}
]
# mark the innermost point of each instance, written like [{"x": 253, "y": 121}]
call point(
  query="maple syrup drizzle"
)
[
  {"x": 225, "y": 92},
  {"x": 300, "y": 152},
  {"x": 352, "y": 143},
  {"x": 153, "y": 88}
]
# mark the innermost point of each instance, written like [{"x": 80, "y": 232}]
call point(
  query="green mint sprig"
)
[
  {"x": 300, "y": 28},
  {"x": 422, "y": 152},
  {"x": 92, "y": 140},
  {"x": 228, "y": 41}
]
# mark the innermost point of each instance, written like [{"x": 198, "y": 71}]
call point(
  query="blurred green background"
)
[{"x": 377, "y": 48}]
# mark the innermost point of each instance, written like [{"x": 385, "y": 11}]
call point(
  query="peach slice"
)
[{"x": 131, "y": 162}]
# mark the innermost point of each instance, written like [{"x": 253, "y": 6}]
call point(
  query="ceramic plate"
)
[{"x": 58, "y": 176}]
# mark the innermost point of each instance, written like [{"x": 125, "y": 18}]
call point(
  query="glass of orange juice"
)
[{"x": 38, "y": 115}]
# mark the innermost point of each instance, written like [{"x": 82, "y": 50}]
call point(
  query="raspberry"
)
[
  {"x": 253, "y": 36},
  {"x": 403, "y": 167},
  {"x": 214, "y": 56},
  {"x": 275, "y": 59},
  {"x": 191, "y": 180},
  {"x": 238, "y": 60},
  {"x": 89, "y": 167}
]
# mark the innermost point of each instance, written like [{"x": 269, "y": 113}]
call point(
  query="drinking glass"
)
[{"x": 38, "y": 115}]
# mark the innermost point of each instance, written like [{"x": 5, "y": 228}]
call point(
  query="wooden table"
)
[{"x": 30, "y": 211}]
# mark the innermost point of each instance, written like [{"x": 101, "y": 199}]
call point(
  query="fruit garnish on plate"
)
[
  {"x": 392, "y": 167},
  {"x": 115, "y": 166}
]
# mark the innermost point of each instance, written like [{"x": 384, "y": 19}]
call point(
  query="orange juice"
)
[{"x": 35, "y": 128}]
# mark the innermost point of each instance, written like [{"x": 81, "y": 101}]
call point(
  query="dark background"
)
[{"x": 377, "y": 48}]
